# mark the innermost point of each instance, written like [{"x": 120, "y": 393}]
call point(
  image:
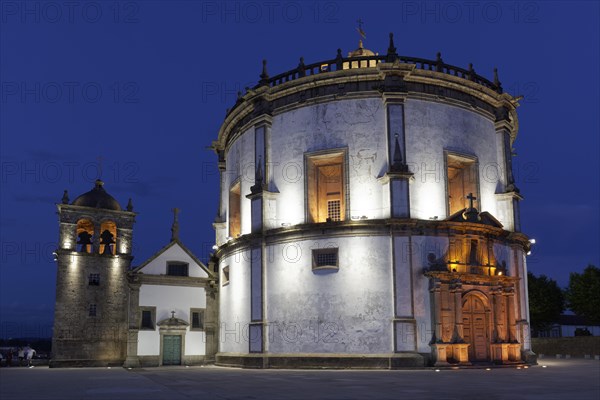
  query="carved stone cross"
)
[{"x": 471, "y": 198}]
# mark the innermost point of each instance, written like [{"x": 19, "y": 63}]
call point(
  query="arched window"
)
[
  {"x": 108, "y": 238},
  {"x": 85, "y": 233}
]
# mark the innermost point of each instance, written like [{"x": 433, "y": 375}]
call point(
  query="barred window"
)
[
  {"x": 325, "y": 258},
  {"x": 326, "y": 192},
  {"x": 197, "y": 319},
  {"x": 334, "y": 210},
  {"x": 92, "y": 310},
  {"x": 177, "y": 269},
  {"x": 94, "y": 280}
]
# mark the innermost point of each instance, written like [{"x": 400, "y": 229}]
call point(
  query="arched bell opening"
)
[
  {"x": 85, "y": 234},
  {"x": 108, "y": 238}
]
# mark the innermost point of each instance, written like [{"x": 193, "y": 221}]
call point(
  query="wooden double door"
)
[{"x": 476, "y": 327}]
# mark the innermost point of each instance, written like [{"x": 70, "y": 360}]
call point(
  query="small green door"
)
[{"x": 171, "y": 350}]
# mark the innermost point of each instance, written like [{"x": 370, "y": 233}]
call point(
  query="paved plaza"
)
[{"x": 560, "y": 379}]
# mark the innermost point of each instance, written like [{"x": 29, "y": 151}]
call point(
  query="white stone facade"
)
[{"x": 407, "y": 264}]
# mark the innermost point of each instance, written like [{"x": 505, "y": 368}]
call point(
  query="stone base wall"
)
[
  {"x": 573, "y": 346},
  {"x": 154, "y": 361},
  {"x": 324, "y": 361},
  {"x": 73, "y": 363}
]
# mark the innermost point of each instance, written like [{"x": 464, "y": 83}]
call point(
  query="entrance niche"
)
[
  {"x": 172, "y": 340},
  {"x": 85, "y": 233},
  {"x": 475, "y": 313},
  {"x": 108, "y": 238},
  {"x": 171, "y": 350}
]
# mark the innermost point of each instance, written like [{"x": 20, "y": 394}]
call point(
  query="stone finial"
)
[
  {"x": 258, "y": 178},
  {"x": 497, "y": 81},
  {"x": 439, "y": 63},
  {"x": 264, "y": 76},
  {"x": 471, "y": 72},
  {"x": 397, "y": 152},
  {"x": 397, "y": 164},
  {"x": 338, "y": 59},
  {"x": 259, "y": 173},
  {"x": 301, "y": 68},
  {"x": 65, "y": 198},
  {"x": 391, "y": 52},
  {"x": 129, "y": 205},
  {"x": 175, "y": 226}
]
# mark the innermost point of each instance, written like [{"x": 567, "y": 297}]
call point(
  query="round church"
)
[{"x": 368, "y": 217}]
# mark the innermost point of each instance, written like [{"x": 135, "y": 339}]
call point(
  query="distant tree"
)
[
  {"x": 583, "y": 294},
  {"x": 546, "y": 301}
]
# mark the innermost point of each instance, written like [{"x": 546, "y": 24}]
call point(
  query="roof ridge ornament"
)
[
  {"x": 439, "y": 63},
  {"x": 497, "y": 81},
  {"x": 175, "y": 226},
  {"x": 264, "y": 76},
  {"x": 391, "y": 52}
]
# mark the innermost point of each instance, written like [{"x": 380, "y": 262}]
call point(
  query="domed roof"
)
[
  {"x": 361, "y": 51},
  {"x": 97, "y": 198}
]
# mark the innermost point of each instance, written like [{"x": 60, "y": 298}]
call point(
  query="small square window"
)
[
  {"x": 325, "y": 258},
  {"x": 225, "y": 275},
  {"x": 177, "y": 269},
  {"x": 197, "y": 319},
  {"x": 92, "y": 310},
  {"x": 94, "y": 280},
  {"x": 148, "y": 318}
]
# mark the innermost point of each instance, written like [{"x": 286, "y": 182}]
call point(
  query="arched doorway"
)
[{"x": 475, "y": 326}]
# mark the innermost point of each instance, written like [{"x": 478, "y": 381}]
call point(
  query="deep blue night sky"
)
[{"x": 144, "y": 85}]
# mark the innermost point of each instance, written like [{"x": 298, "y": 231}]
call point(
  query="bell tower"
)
[{"x": 93, "y": 257}]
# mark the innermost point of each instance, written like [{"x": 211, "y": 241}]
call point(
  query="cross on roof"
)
[
  {"x": 172, "y": 314},
  {"x": 471, "y": 198},
  {"x": 360, "y": 30},
  {"x": 99, "y": 158}
]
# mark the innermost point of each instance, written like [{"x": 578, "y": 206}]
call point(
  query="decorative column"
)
[
  {"x": 499, "y": 346},
  {"x": 220, "y": 224},
  {"x": 398, "y": 177},
  {"x": 499, "y": 328},
  {"x": 514, "y": 347},
  {"x": 440, "y": 349},
  {"x": 459, "y": 347},
  {"x": 509, "y": 198},
  {"x": 96, "y": 238}
]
